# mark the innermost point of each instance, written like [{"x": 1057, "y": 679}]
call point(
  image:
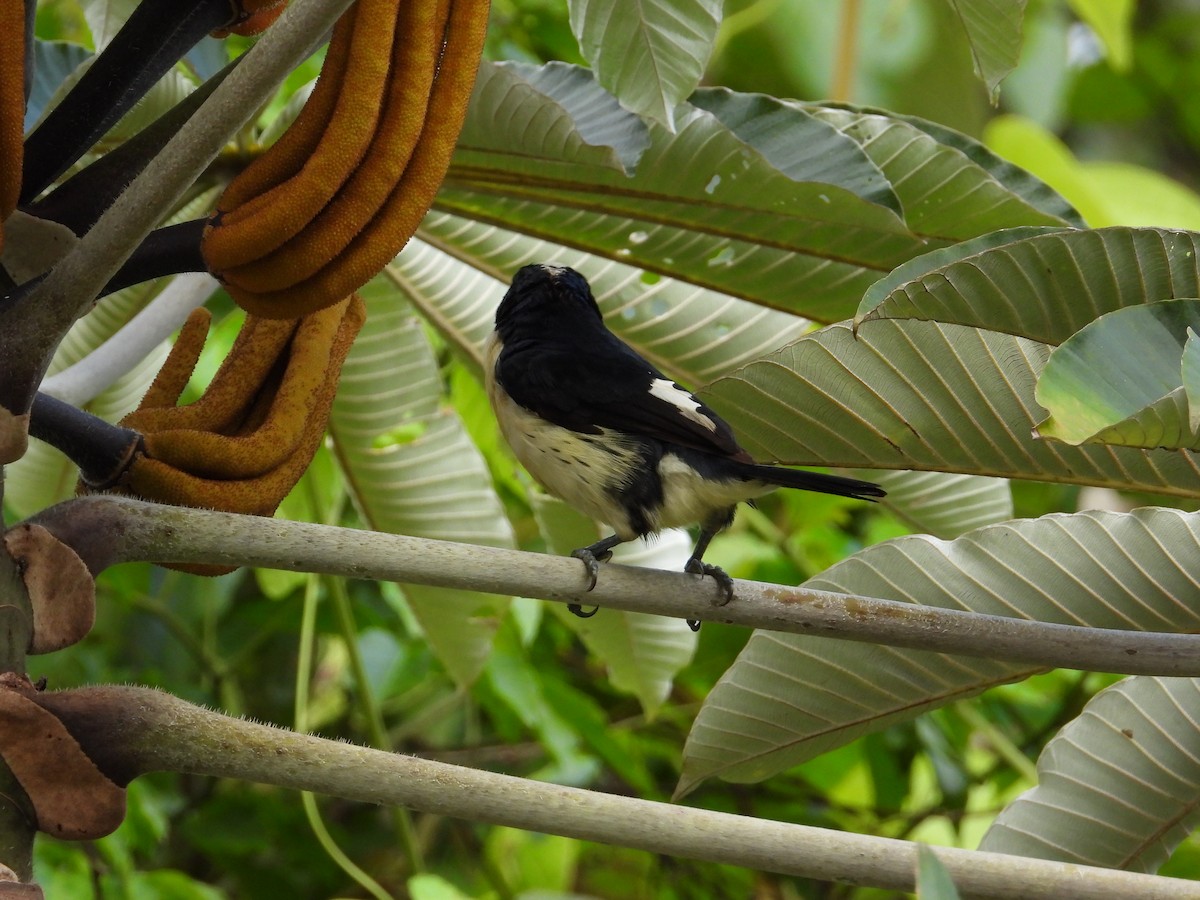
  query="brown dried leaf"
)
[{"x": 60, "y": 587}]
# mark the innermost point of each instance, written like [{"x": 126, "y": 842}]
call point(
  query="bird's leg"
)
[
  {"x": 697, "y": 566},
  {"x": 592, "y": 556}
]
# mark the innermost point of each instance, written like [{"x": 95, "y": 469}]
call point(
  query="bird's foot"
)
[
  {"x": 724, "y": 582},
  {"x": 591, "y": 562}
]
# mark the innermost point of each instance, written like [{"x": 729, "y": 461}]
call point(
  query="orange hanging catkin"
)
[
  {"x": 264, "y": 222},
  {"x": 12, "y": 106},
  {"x": 252, "y": 463},
  {"x": 276, "y": 265},
  {"x": 415, "y": 60}
]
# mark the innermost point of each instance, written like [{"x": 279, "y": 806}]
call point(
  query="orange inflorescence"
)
[
  {"x": 12, "y": 106},
  {"x": 251, "y": 17},
  {"x": 342, "y": 192},
  {"x": 243, "y": 445}
]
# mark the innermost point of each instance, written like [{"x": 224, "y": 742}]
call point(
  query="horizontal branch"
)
[
  {"x": 105, "y": 530},
  {"x": 136, "y": 730}
]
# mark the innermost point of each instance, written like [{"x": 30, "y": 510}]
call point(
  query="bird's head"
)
[{"x": 542, "y": 296}]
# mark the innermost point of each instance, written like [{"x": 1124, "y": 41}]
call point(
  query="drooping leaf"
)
[
  {"x": 944, "y": 192},
  {"x": 993, "y": 30},
  {"x": 800, "y": 143},
  {"x": 1118, "y": 787},
  {"x": 650, "y": 55},
  {"x": 702, "y": 204},
  {"x": 920, "y": 395},
  {"x": 411, "y": 469},
  {"x": 1119, "y": 380},
  {"x": 1048, "y": 286},
  {"x": 789, "y": 697}
]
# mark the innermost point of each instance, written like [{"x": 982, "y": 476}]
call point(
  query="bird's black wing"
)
[{"x": 602, "y": 383}]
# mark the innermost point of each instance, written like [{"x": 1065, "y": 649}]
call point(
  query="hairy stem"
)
[
  {"x": 137, "y": 730},
  {"x": 107, "y": 530}
]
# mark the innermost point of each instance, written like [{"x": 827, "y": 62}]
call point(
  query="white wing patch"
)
[{"x": 688, "y": 405}]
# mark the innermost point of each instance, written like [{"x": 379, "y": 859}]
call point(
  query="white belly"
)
[
  {"x": 569, "y": 465},
  {"x": 689, "y": 498}
]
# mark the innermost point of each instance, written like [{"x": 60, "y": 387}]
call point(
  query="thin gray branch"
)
[
  {"x": 157, "y": 731},
  {"x": 97, "y": 371},
  {"x": 106, "y": 530}
]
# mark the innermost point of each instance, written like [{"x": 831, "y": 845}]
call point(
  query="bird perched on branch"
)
[{"x": 599, "y": 427}]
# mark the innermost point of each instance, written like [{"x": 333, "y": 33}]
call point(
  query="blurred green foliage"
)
[{"x": 544, "y": 708}]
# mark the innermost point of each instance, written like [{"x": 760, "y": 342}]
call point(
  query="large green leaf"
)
[
  {"x": 993, "y": 30},
  {"x": 1021, "y": 181},
  {"x": 651, "y": 54},
  {"x": 694, "y": 333},
  {"x": 915, "y": 269},
  {"x": 411, "y": 469},
  {"x": 1119, "y": 786},
  {"x": 921, "y": 395},
  {"x": 702, "y": 205},
  {"x": 1119, "y": 380},
  {"x": 801, "y": 144},
  {"x": 791, "y": 697},
  {"x": 945, "y": 193},
  {"x": 943, "y": 504},
  {"x": 1048, "y": 286}
]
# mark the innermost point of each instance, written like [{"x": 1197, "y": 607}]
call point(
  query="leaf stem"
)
[{"x": 846, "y": 61}]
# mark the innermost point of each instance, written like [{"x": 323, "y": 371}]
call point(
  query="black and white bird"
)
[{"x": 599, "y": 427}]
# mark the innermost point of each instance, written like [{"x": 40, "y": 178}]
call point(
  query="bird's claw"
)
[
  {"x": 724, "y": 582},
  {"x": 591, "y": 562}
]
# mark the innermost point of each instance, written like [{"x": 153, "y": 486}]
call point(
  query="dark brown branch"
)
[{"x": 102, "y": 451}]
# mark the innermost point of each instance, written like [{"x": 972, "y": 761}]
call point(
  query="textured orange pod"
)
[
  {"x": 233, "y": 389},
  {"x": 175, "y": 373},
  {"x": 288, "y": 154},
  {"x": 275, "y": 425},
  {"x": 416, "y": 54},
  {"x": 12, "y": 106},
  {"x": 155, "y": 479},
  {"x": 261, "y": 224},
  {"x": 387, "y": 233}
]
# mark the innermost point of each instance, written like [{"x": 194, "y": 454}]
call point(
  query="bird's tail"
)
[{"x": 816, "y": 481}]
